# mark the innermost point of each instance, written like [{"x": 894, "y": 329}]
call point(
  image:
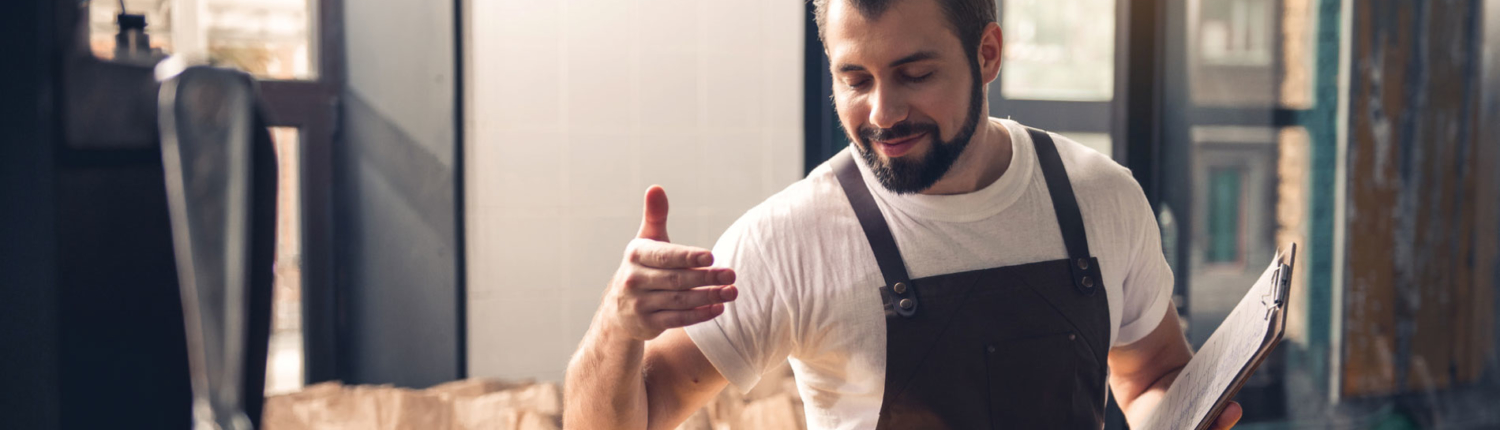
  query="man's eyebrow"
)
[
  {"x": 923, "y": 55},
  {"x": 920, "y": 56}
]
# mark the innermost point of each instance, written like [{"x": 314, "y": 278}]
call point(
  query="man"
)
[{"x": 950, "y": 270}]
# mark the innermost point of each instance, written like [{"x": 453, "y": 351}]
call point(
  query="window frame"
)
[{"x": 312, "y": 107}]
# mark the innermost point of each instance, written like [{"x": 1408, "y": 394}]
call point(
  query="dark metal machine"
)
[
  {"x": 139, "y": 237},
  {"x": 208, "y": 129}
]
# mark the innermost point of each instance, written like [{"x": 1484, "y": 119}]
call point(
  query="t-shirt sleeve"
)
[
  {"x": 754, "y": 333},
  {"x": 1147, "y": 286}
]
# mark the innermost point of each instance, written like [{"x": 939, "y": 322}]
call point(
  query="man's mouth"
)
[{"x": 898, "y": 147}]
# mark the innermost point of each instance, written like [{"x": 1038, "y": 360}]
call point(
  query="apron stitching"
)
[
  {"x": 949, "y": 324},
  {"x": 1088, "y": 340}
]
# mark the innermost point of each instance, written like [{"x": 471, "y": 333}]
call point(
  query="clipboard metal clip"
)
[
  {"x": 1281, "y": 284},
  {"x": 1272, "y": 299}
]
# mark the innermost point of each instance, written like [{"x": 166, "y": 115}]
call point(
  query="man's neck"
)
[{"x": 982, "y": 163}]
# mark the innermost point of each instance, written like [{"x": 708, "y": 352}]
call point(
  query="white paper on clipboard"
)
[{"x": 1231, "y": 354}]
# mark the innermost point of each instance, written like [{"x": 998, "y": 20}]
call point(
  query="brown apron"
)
[{"x": 1008, "y": 347}]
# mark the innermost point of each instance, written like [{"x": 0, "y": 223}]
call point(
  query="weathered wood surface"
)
[{"x": 1421, "y": 223}]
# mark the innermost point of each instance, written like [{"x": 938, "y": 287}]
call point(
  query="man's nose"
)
[{"x": 887, "y": 107}]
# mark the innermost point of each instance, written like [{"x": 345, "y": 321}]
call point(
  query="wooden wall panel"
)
[{"x": 1417, "y": 313}]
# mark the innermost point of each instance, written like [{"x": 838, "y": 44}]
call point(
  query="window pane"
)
[
  {"x": 1101, "y": 142},
  {"x": 1230, "y": 47},
  {"x": 102, "y": 27},
  {"x": 1224, "y": 215},
  {"x": 1235, "y": 32},
  {"x": 271, "y": 39},
  {"x": 284, "y": 360},
  {"x": 1058, "y": 50},
  {"x": 1233, "y": 184}
]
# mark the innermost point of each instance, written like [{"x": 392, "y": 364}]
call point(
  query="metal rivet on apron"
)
[
  {"x": 1083, "y": 263},
  {"x": 1072, "y": 336},
  {"x": 990, "y": 348},
  {"x": 900, "y": 288},
  {"x": 1088, "y": 282},
  {"x": 906, "y": 303}
]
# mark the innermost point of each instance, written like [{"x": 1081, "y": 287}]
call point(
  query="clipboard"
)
[{"x": 1232, "y": 353}]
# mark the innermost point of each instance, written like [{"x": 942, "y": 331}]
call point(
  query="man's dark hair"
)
[{"x": 967, "y": 18}]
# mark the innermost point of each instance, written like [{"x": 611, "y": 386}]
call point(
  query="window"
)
[
  {"x": 271, "y": 39},
  {"x": 284, "y": 363},
  {"x": 1058, "y": 72},
  {"x": 1058, "y": 49},
  {"x": 299, "y": 65},
  {"x": 1235, "y": 32},
  {"x": 1101, "y": 142},
  {"x": 1224, "y": 217}
]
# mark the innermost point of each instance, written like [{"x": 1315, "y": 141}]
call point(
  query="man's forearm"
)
[
  {"x": 1138, "y": 407},
  {"x": 604, "y": 385}
]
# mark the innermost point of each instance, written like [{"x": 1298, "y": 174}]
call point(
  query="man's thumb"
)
[{"x": 654, "y": 221}]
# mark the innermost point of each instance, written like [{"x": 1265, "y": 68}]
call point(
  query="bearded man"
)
[{"x": 948, "y": 270}]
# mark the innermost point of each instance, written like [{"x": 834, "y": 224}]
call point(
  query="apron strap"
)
[
  {"x": 1069, "y": 218},
  {"x": 878, "y": 233},
  {"x": 1084, "y": 268}
]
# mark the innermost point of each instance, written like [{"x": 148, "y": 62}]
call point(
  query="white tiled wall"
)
[{"x": 574, "y": 107}]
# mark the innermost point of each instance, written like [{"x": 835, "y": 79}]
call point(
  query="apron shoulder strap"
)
[
  {"x": 1065, "y": 205},
  {"x": 877, "y": 232}
]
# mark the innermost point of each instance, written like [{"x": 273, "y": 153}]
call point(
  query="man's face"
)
[{"x": 906, "y": 92}]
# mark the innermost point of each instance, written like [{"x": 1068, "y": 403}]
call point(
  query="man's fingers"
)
[
  {"x": 1229, "y": 417},
  {"x": 661, "y": 301},
  {"x": 648, "y": 278},
  {"x": 654, "y": 220},
  {"x": 674, "y": 319},
  {"x": 662, "y": 255}
]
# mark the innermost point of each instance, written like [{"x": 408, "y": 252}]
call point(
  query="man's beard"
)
[{"x": 903, "y": 176}]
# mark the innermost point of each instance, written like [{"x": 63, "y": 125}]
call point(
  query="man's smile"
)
[{"x": 898, "y": 147}]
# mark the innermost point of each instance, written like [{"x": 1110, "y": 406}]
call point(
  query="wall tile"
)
[
  {"x": 734, "y": 90},
  {"x": 599, "y": 89},
  {"x": 601, "y": 173},
  {"x": 674, "y": 161},
  {"x": 515, "y": 23},
  {"x": 786, "y": 164},
  {"x": 668, "y": 85},
  {"x": 685, "y": 226},
  {"x": 527, "y": 255},
  {"x": 783, "y": 28},
  {"x": 668, "y": 25},
  {"x": 517, "y": 338},
  {"x": 482, "y": 173},
  {"x": 595, "y": 248},
  {"x": 731, "y": 26},
  {"x": 481, "y": 253},
  {"x": 527, "y": 169},
  {"x": 579, "y": 314},
  {"x": 528, "y": 97},
  {"x": 738, "y": 167},
  {"x": 600, "y": 24},
  {"x": 782, "y": 108},
  {"x": 577, "y": 106},
  {"x": 715, "y": 223}
]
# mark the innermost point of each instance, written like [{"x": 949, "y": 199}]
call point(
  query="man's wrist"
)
[{"x": 614, "y": 338}]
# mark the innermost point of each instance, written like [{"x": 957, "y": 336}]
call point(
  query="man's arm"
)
[
  {"x": 613, "y": 387},
  {"x": 1141, "y": 372},
  {"x": 636, "y": 368},
  {"x": 679, "y": 379}
]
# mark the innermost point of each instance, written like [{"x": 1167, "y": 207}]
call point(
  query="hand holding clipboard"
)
[{"x": 1231, "y": 354}]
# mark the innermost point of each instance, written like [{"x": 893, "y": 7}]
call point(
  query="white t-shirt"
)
[{"x": 809, "y": 282}]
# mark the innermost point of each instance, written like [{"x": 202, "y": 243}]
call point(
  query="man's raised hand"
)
[{"x": 661, "y": 285}]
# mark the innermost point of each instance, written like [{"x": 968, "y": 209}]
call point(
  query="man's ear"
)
[{"x": 991, "y": 48}]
